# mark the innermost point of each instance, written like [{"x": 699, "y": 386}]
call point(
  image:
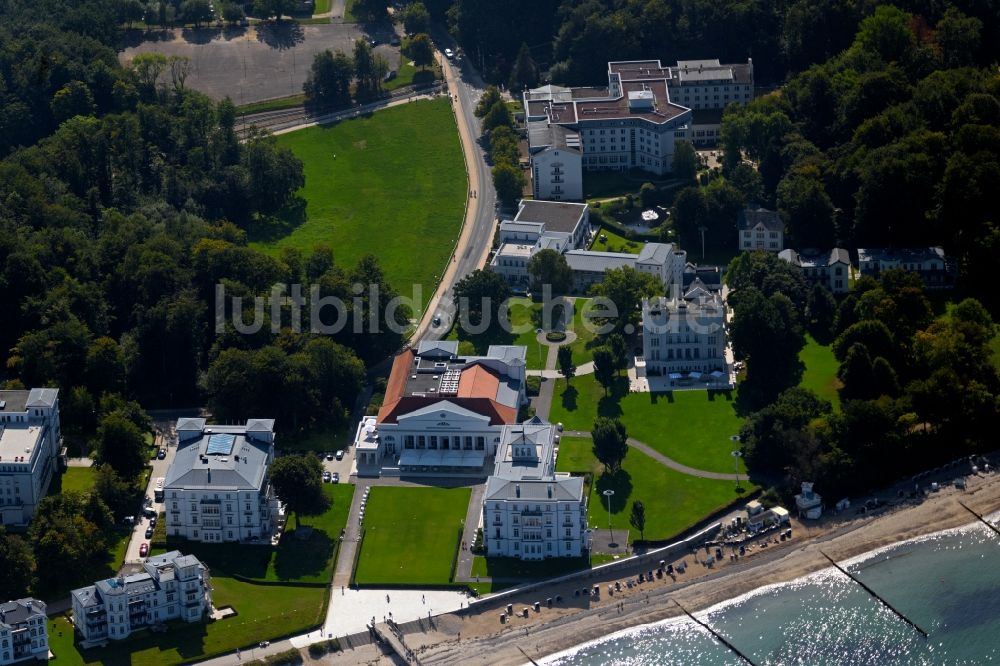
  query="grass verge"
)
[{"x": 820, "y": 375}]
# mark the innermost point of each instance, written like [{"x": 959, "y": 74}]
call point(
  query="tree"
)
[
  {"x": 365, "y": 69},
  {"x": 524, "y": 73},
  {"x": 232, "y": 13},
  {"x": 874, "y": 335},
  {"x": 265, "y": 9},
  {"x": 275, "y": 173},
  {"x": 69, "y": 527},
  {"x": 821, "y": 310},
  {"x": 807, "y": 210},
  {"x": 478, "y": 297},
  {"x": 958, "y": 36},
  {"x": 490, "y": 97},
  {"x": 685, "y": 164},
  {"x": 129, "y": 12},
  {"x": 415, "y": 17},
  {"x": 619, "y": 351},
  {"x": 605, "y": 369},
  {"x": 548, "y": 267},
  {"x": 508, "y": 181},
  {"x": 328, "y": 83},
  {"x": 298, "y": 482},
  {"x": 610, "y": 443},
  {"x": 121, "y": 495},
  {"x": 196, "y": 11},
  {"x": 421, "y": 50},
  {"x": 498, "y": 116},
  {"x": 565, "y": 360},
  {"x": 638, "y": 518},
  {"x": 18, "y": 564},
  {"x": 855, "y": 373},
  {"x": 625, "y": 288},
  {"x": 180, "y": 69},
  {"x": 73, "y": 99},
  {"x": 121, "y": 445}
]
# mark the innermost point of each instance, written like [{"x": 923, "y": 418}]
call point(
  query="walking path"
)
[
  {"x": 664, "y": 460},
  {"x": 463, "y": 571}
]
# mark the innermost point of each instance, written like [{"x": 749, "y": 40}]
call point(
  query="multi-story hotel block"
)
[
  {"x": 529, "y": 511},
  {"x": 685, "y": 335},
  {"x": 930, "y": 263},
  {"x": 217, "y": 487},
  {"x": 443, "y": 413},
  {"x": 23, "y": 631},
  {"x": 29, "y": 451},
  {"x": 630, "y": 124},
  {"x": 173, "y": 586}
]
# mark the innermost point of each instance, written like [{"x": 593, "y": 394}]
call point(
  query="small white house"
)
[
  {"x": 760, "y": 229},
  {"x": 808, "y": 502}
]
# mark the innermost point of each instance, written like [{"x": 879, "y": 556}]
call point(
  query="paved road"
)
[
  {"x": 160, "y": 468},
  {"x": 474, "y": 244}
]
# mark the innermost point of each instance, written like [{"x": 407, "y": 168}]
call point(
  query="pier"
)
[
  {"x": 980, "y": 518},
  {"x": 874, "y": 594},
  {"x": 716, "y": 634}
]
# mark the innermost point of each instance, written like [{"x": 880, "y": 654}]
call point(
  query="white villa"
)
[
  {"x": 760, "y": 229},
  {"x": 29, "y": 451},
  {"x": 217, "y": 487},
  {"x": 631, "y": 123},
  {"x": 831, "y": 268},
  {"x": 24, "y": 632},
  {"x": 930, "y": 263},
  {"x": 685, "y": 338},
  {"x": 173, "y": 586},
  {"x": 443, "y": 413},
  {"x": 530, "y": 511}
]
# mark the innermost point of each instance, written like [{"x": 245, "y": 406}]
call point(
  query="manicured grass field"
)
[
  {"x": 691, "y": 427},
  {"x": 79, "y": 479},
  {"x": 294, "y": 560},
  {"x": 583, "y": 345},
  {"x": 411, "y": 535},
  {"x": 391, "y": 184},
  {"x": 609, "y": 241},
  {"x": 524, "y": 314},
  {"x": 322, "y": 7},
  {"x": 820, "y": 375},
  {"x": 674, "y": 501}
]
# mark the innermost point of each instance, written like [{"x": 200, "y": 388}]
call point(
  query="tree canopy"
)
[
  {"x": 610, "y": 443},
  {"x": 298, "y": 482}
]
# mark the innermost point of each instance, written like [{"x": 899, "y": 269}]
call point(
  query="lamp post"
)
[
  {"x": 538, "y": 332},
  {"x": 737, "y": 454},
  {"x": 609, "y": 494}
]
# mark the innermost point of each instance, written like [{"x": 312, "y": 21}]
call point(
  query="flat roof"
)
[
  {"x": 18, "y": 440},
  {"x": 555, "y": 215},
  {"x": 514, "y": 250},
  {"x": 16, "y": 401}
]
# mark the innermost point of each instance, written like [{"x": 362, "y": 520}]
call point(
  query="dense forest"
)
[{"x": 126, "y": 199}]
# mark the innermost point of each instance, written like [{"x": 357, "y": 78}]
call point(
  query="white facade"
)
[
  {"x": 685, "y": 335},
  {"x": 217, "y": 487},
  {"x": 660, "y": 260},
  {"x": 707, "y": 87},
  {"x": 173, "y": 586},
  {"x": 930, "y": 263},
  {"x": 29, "y": 451},
  {"x": 530, "y": 512},
  {"x": 443, "y": 414},
  {"x": 538, "y": 225},
  {"x": 556, "y": 174},
  {"x": 831, "y": 268},
  {"x": 760, "y": 229},
  {"x": 24, "y": 631}
]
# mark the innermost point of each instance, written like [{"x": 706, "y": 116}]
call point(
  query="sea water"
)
[{"x": 947, "y": 583}]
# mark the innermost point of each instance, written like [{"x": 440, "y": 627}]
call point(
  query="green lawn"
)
[
  {"x": 326, "y": 439},
  {"x": 322, "y": 7},
  {"x": 276, "y": 104},
  {"x": 691, "y": 427},
  {"x": 820, "y": 375},
  {"x": 524, "y": 314},
  {"x": 79, "y": 479},
  {"x": 607, "y": 240},
  {"x": 408, "y": 74},
  {"x": 583, "y": 345},
  {"x": 674, "y": 501},
  {"x": 349, "y": 16},
  {"x": 381, "y": 184},
  {"x": 411, "y": 535},
  {"x": 294, "y": 560}
]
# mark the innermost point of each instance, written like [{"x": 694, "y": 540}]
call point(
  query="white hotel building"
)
[
  {"x": 217, "y": 487},
  {"x": 24, "y": 632},
  {"x": 685, "y": 337},
  {"x": 529, "y": 511},
  {"x": 172, "y": 586},
  {"x": 632, "y": 123},
  {"x": 29, "y": 451},
  {"x": 443, "y": 413}
]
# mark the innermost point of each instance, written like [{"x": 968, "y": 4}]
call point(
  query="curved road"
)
[{"x": 663, "y": 460}]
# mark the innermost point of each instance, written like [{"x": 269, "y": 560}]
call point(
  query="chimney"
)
[
  {"x": 550, "y": 491},
  {"x": 517, "y": 490}
]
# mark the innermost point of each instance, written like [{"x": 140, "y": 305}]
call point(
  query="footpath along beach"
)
[{"x": 478, "y": 637}]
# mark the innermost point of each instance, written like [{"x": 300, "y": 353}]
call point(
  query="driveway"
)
[
  {"x": 160, "y": 468},
  {"x": 254, "y": 63}
]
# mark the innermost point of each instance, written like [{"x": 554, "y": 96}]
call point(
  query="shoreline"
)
[{"x": 478, "y": 637}]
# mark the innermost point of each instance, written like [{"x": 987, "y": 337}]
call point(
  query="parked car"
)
[
  {"x": 449, "y": 54},
  {"x": 144, "y": 549},
  {"x": 149, "y": 532},
  {"x": 161, "y": 454},
  {"x": 326, "y": 477},
  {"x": 436, "y": 321},
  {"x": 373, "y": 42},
  {"x": 152, "y": 520},
  {"x": 336, "y": 477},
  {"x": 340, "y": 454},
  {"x": 329, "y": 455}
]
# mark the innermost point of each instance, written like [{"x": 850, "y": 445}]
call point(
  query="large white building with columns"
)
[
  {"x": 530, "y": 511},
  {"x": 685, "y": 337}
]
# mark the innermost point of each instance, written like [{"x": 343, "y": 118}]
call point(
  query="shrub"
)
[
  {"x": 317, "y": 650},
  {"x": 533, "y": 385},
  {"x": 555, "y": 336},
  {"x": 290, "y": 657}
]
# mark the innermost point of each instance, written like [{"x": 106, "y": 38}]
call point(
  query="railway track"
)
[{"x": 277, "y": 120}]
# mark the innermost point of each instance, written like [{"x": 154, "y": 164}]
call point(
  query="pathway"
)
[
  {"x": 349, "y": 544},
  {"x": 475, "y": 511},
  {"x": 664, "y": 460}
]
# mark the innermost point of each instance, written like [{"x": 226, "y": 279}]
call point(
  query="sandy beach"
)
[{"x": 478, "y": 637}]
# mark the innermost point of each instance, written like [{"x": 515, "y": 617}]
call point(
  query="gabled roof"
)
[
  {"x": 42, "y": 397},
  {"x": 751, "y": 216},
  {"x": 497, "y": 413},
  {"x": 437, "y": 348},
  {"x": 654, "y": 253}
]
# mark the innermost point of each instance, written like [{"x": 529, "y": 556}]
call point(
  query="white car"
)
[{"x": 449, "y": 54}]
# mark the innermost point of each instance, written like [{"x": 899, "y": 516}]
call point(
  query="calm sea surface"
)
[{"x": 948, "y": 583}]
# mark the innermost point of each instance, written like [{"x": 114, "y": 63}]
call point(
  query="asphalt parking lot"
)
[{"x": 254, "y": 63}]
